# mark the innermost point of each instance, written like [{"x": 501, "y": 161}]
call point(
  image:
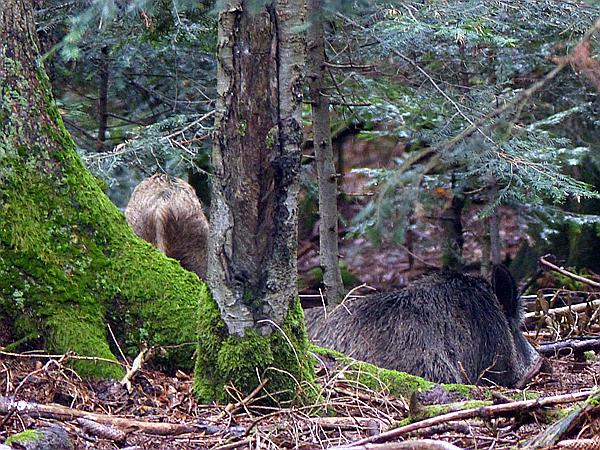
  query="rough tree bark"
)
[
  {"x": 254, "y": 214},
  {"x": 68, "y": 260},
  {"x": 328, "y": 211}
]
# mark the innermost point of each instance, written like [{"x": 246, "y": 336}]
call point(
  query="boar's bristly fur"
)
[
  {"x": 166, "y": 212},
  {"x": 446, "y": 327}
]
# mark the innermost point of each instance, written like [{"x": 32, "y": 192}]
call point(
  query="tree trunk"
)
[
  {"x": 328, "y": 211},
  {"x": 254, "y": 214},
  {"x": 68, "y": 260},
  {"x": 453, "y": 239},
  {"x": 492, "y": 245},
  {"x": 103, "y": 74}
]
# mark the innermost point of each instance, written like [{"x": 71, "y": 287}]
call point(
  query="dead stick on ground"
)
[
  {"x": 569, "y": 346},
  {"x": 567, "y": 273},
  {"x": 419, "y": 444},
  {"x": 137, "y": 365},
  {"x": 534, "y": 316},
  {"x": 230, "y": 408},
  {"x": 233, "y": 444},
  {"x": 63, "y": 413},
  {"x": 484, "y": 411},
  {"x": 555, "y": 432}
]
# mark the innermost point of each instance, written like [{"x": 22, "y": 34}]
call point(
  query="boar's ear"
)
[{"x": 505, "y": 288}]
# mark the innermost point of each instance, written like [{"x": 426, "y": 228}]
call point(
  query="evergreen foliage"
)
[
  {"x": 161, "y": 83},
  {"x": 419, "y": 72},
  {"x": 430, "y": 70}
]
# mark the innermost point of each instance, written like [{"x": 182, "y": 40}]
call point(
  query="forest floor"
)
[{"x": 352, "y": 412}]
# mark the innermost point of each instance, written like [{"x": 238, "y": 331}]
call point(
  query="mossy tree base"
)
[{"x": 242, "y": 363}]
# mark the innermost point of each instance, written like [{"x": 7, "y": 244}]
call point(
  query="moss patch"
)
[
  {"x": 281, "y": 357},
  {"x": 385, "y": 380},
  {"x": 25, "y": 437}
]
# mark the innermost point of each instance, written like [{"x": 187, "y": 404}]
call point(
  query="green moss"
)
[
  {"x": 227, "y": 360},
  {"x": 242, "y": 128},
  {"x": 272, "y": 136},
  {"x": 589, "y": 355},
  {"x": 25, "y": 437},
  {"x": 75, "y": 329},
  {"x": 594, "y": 401},
  {"x": 463, "y": 390},
  {"x": 376, "y": 378},
  {"x": 15, "y": 346},
  {"x": 385, "y": 380}
]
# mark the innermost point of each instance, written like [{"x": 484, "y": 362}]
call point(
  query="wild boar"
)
[
  {"x": 166, "y": 212},
  {"x": 447, "y": 328}
]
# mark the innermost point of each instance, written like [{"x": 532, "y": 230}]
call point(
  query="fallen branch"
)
[
  {"x": 572, "y": 275},
  {"x": 484, "y": 411},
  {"x": 232, "y": 407},
  {"x": 347, "y": 423},
  {"x": 137, "y": 365},
  {"x": 232, "y": 445},
  {"x": 569, "y": 346},
  {"x": 532, "y": 317},
  {"x": 69, "y": 355},
  {"x": 555, "y": 432},
  {"x": 102, "y": 431},
  {"x": 58, "y": 412},
  {"x": 420, "y": 444},
  {"x": 579, "y": 444}
]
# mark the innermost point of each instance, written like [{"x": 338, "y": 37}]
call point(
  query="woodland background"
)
[{"x": 464, "y": 134}]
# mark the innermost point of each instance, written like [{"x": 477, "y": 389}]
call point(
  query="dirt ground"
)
[{"x": 353, "y": 412}]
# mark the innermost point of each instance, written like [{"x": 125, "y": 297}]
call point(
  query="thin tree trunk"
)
[
  {"x": 103, "y": 76},
  {"x": 491, "y": 245},
  {"x": 328, "y": 212},
  {"x": 494, "y": 229},
  {"x": 453, "y": 240}
]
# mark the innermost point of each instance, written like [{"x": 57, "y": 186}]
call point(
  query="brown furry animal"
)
[
  {"x": 166, "y": 212},
  {"x": 446, "y": 327}
]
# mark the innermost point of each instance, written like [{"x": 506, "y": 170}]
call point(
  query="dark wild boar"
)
[
  {"x": 166, "y": 212},
  {"x": 447, "y": 328}
]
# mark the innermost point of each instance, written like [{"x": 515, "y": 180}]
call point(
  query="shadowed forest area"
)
[{"x": 303, "y": 224}]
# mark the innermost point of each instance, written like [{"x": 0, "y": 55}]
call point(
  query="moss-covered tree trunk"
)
[
  {"x": 69, "y": 262},
  {"x": 256, "y": 161}
]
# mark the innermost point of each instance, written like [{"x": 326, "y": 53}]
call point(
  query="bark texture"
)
[
  {"x": 256, "y": 159},
  {"x": 254, "y": 213},
  {"x": 69, "y": 263},
  {"x": 328, "y": 212},
  {"x": 453, "y": 239}
]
